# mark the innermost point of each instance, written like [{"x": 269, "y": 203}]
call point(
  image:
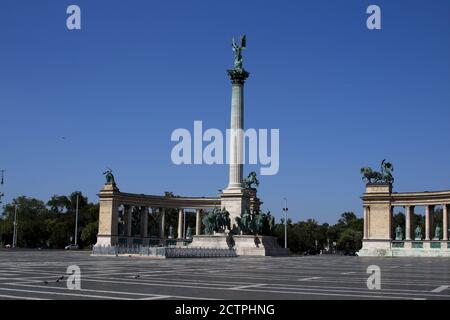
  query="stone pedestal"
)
[
  {"x": 217, "y": 241},
  {"x": 375, "y": 248},
  {"x": 243, "y": 245},
  {"x": 237, "y": 202},
  {"x": 379, "y": 211},
  {"x": 108, "y": 216},
  {"x": 249, "y": 245}
]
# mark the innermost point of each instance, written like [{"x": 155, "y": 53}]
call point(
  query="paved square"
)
[{"x": 23, "y": 274}]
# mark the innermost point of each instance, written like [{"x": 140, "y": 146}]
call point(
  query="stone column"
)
[
  {"x": 198, "y": 222},
  {"x": 428, "y": 224},
  {"x": 144, "y": 222},
  {"x": 129, "y": 219},
  {"x": 391, "y": 218},
  {"x": 409, "y": 217},
  {"x": 238, "y": 77},
  {"x": 162, "y": 223},
  {"x": 366, "y": 222},
  {"x": 445, "y": 222},
  {"x": 180, "y": 223}
]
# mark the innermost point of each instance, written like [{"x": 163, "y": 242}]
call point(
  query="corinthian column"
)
[
  {"x": 238, "y": 77},
  {"x": 162, "y": 223},
  {"x": 180, "y": 224},
  {"x": 445, "y": 222},
  {"x": 409, "y": 217},
  {"x": 144, "y": 222},
  {"x": 198, "y": 222},
  {"x": 428, "y": 223}
]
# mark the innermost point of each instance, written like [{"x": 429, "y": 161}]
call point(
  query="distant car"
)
[
  {"x": 310, "y": 252},
  {"x": 71, "y": 247},
  {"x": 8, "y": 246},
  {"x": 350, "y": 253}
]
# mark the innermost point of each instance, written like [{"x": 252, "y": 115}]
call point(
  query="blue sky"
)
[{"x": 342, "y": 96}]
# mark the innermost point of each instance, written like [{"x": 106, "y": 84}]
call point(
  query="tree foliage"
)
[
  {"x": 309, "y": 235},
  {"x": 51, "y": 224}
]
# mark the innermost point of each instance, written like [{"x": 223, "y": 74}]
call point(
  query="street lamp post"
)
[
  {"x": 285, "y": 210},
  {"x": 76, "y": 221},
  {"x": 15, "y": 227},
  {"x": 2, "y": 218},
  {"x": 3, "y": 213}
]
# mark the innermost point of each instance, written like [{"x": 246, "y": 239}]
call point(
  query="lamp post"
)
[
  {"x": 285, "y": 210},
  {"x": 15, "y": 227},
  {"x": 2, "y": 218},
  {"x": 3, "y": 213},
  {"x": 76, "y": 221}
]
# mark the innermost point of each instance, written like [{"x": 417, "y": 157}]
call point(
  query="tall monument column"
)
[
  {"x": 235, "y": 198},
  {"x": 238, "y": 77}
]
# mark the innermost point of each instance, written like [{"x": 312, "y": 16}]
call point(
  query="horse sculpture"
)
[
  {"x": 257, "y": 223},
  {"x": 217, "y": 220},
  {"x": 384, "y": 176},
  {"x": 250, "y": 181}
]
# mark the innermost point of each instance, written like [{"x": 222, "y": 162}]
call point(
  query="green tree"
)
[
  {"x": 89, "y": 233},
  {"x": 350, "y": 240},
  {"x": 31, "y": 231}
]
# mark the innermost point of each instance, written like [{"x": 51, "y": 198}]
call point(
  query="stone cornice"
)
[
  {"x": 409, "y": 198},
  {"x": 155, "y": 201}
]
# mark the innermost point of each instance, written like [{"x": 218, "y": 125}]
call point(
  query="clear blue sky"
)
[{"x": 342, "y": 96}]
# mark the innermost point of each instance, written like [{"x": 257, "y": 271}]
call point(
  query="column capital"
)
[{"x": 238, "y": 76}]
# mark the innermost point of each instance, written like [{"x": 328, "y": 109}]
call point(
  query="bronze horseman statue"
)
[
  {"x": 384, "y": 176},
  {"x": 250, "y": 181}
]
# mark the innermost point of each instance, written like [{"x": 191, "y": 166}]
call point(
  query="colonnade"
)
[
  {"x": 410, "y": 224},
  {"x": 115, "y": 204},
  {"x": 144, "y": 213}
]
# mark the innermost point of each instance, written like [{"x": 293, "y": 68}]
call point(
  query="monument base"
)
[
  {"x": 244, "y": 245},
  {"x": 106, "y": 240},
  {"x": 407, "y": 248},
  {"x": 249, "y": 245},
  {"x": 235, "y": 201},
  {"x": 217, "y": 241},
  {"x": 238, "y": 200}
]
